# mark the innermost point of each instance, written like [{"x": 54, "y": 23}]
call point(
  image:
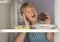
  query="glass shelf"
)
[
  {"x": 30, "y": 30},
  {"x": 34, "y": 28}
]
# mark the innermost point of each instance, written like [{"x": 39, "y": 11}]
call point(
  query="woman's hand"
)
[
  {"x": 47, "y": 21},
  {"x": 25, "y": 20}
]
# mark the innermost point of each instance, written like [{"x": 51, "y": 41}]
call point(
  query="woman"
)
[{"x": 29, "y": 14}]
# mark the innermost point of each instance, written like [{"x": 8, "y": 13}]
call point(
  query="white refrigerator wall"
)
[
  {"x": 57, "y": 37},
  {"x": 57, "y": 19},
  {"x": 4, "y": 15},
  {"x": 4, "y": 21},
  {"x": 4, "y": 37},
  {"x": 57, "y": 13}
]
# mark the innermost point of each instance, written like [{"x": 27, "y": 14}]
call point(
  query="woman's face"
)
[{"x": 31, "y": 14}]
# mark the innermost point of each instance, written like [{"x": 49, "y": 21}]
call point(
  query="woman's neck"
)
[{"x": 34, "y": 22}]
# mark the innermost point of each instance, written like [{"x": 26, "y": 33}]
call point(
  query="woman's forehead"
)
[{"x": 28, "y": 9}]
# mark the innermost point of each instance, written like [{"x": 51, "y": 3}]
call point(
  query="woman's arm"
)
[
  {"x": 20, "y": 37},
  {"x": 50, "y": 36}
]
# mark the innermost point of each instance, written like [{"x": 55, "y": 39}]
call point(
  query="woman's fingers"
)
[{"x": 47, "y": 21}]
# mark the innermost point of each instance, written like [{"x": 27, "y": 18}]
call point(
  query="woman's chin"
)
[{"x": 34, "y": 20}]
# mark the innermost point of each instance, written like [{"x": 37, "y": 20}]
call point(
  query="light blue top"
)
[{"x": 36, "y": 37}]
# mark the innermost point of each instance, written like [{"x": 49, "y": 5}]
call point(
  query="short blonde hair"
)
[{"x": 25, "y": 5}]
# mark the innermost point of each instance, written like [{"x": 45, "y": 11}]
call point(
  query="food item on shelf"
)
[{"x": 42, "y": 16}]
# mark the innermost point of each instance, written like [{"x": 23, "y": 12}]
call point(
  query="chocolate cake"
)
[{"x": 42, "y": 16}]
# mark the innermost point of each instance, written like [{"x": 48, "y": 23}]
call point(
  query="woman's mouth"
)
[{"x": 33, "y": 16}]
